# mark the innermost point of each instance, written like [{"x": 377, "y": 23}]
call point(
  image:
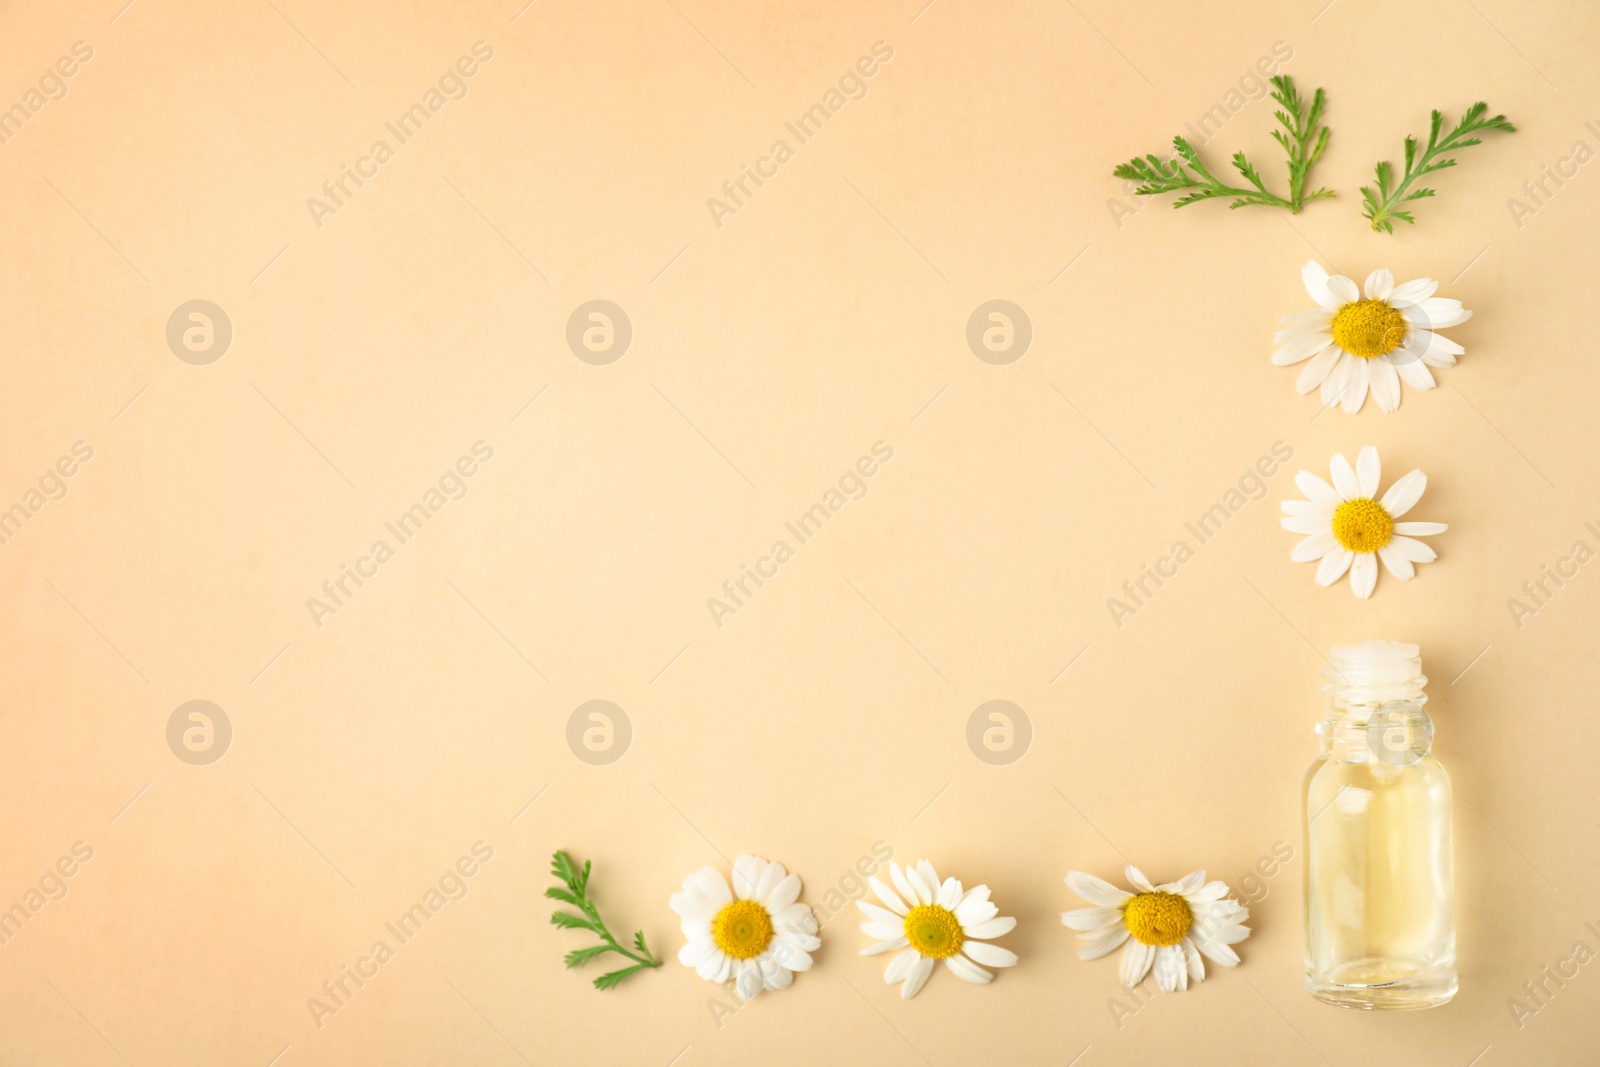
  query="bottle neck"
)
[{"x": 1375, "y": 701}]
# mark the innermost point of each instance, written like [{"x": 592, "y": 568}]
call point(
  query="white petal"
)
[
  {"x": 1412, "y": 549},
  {"x": 1137, "y": 879},
  {"x": 1307, "y": 509},
  {"x": 790, "y": 956},
  {"x": 1333, "y": 565},
  {"x": 989, "y": 955},
  {"x": 1435, "y": 358},
  {"x": 1219, "y": 953},
  {"x": 1343, "y": 290},
  {"x": 1096, "y": 890},
  {"x": 1428, "y": 341},
  {"x": 1306, "y": 524},
  {"x": 1338, "y": 379},
  {"x": 930, "y": 878},
  {"x": 1420, "y": 529},
  {"x": 1395, "y": 563},
  {"x": 777, "y": 977},
  {"x": 749, "y": 982},
  {"x": 886, "y": 946},
  {"x": 1104, "y": 944},
  {"x": 1313, "y": 547},
  {"x": 1302, "y": 348},
  {"x": 1344, "y": 478},
  {"x": 796, "y": 917},
  {"x": 877, "y": 914},
  {"x": 1316, "y": 283},
  {"x": 1404, "y": 494},
  {"x": 1197, "y": 969},
  {"x": 694, "y": 952},
  {"x": 949, "y": 894},
  {"x": 713, "y": 886},
  {"x": 747, "y": 871},
  {"x": 1380, "y": 283},
  {"x": 975, "y": 906},
  {"x": 998, "y": 927},
  {"x": 900, "y": 966},
  {"x": 1170, "y": 968},
  {"x": 806, "y": 942},
  {"x": 770, "y": 879},
  {"x": 1437, "y": 313},
  {"x": 879, "y": 930},
  {"x": 897, "y": 875},
  {"x": 1355, "y": 393},
  {"x": 1385, "y": 385},
  {"x": 1413, "y": 292},
  {"x": 917, "y": 978},
  {"x": 890, "y": 898},
  {"x": 1317, "y": 318},
  {"x": 1363, "y": 574},
  {"x": 921, "y": 890},
  {"x": 1414, "y": 372},
  {"x": 1090, "y": 918},
  {"x": 784, "y": 893},
  {"x": 712, "y": 967},
  {"x": 1136, "y": 961},
  {"x": 692, "y": 904},
  {"x": 1318, "y": 490},
  {"x": 968, "y": 971},
  {"x": 1316, "y": 372},
  {"x": 1368, "y": 471}
]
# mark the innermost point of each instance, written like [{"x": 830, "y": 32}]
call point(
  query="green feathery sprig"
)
[
  {"x": 1303, "y": 138},
  {"x": 575, "y": 893},
  {"x": 1381, "y": 205}
]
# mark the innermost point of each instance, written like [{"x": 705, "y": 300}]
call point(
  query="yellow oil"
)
[{"x": 1380, "y": 931}]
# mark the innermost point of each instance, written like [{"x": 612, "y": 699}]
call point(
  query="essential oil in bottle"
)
[{"x": 1379, "y": 890}]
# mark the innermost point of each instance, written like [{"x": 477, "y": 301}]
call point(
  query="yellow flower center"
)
[
  {"x": 1157, "y": 918},
  {"x": 933, "y": 931},
  {"x": 1362, "y": 525},
  {"x": 1368, "y": 328},
  {"x": 742, "y": 929}
]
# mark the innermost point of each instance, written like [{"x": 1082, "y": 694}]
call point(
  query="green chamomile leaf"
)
[
  {"x": 576, "y": 893},
  {"x": 1379, "y": 205},
  {"x": 1302, "y": 138}
]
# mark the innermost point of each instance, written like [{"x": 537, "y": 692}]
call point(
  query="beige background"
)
[{"x": 768, "y": 354}]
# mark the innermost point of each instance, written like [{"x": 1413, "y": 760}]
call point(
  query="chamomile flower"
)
[
  {"x": 1167, "y": 927},
  {"x": 1359, "y": 342},
  {"x": 755, "y": 932},
  {"x": 1349, "y": 527},
  {"x": 929, "y": 921}
]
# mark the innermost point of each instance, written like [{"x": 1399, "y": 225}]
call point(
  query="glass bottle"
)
[{"x": 1379, "y": 888}]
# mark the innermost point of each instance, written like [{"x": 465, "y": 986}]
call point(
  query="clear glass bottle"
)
[{"x": 1379, "y": 888}]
